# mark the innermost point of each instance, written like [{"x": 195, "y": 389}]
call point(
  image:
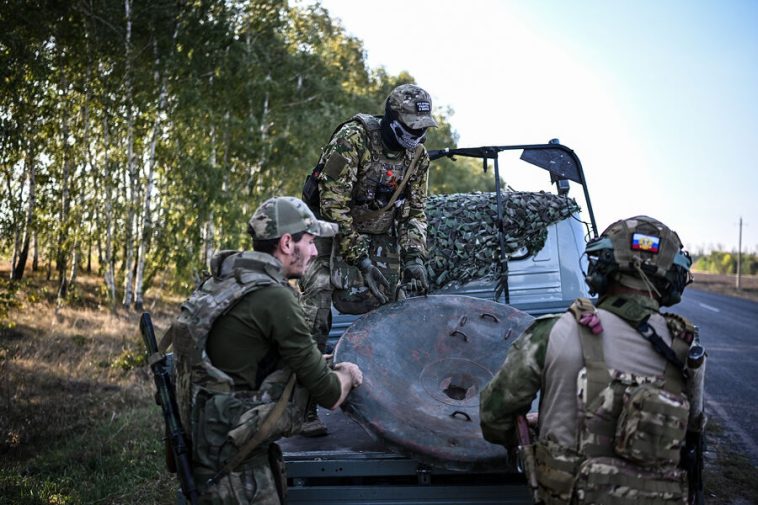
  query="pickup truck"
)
[{"x": 352, "y": 465}]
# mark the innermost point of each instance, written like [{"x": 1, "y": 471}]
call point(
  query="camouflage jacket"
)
[
  {"x": 530, "y": 368},
  {"x": 355, "y": 170}
]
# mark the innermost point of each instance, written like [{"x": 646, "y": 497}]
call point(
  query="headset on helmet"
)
[{"x": 640, "y": 247}]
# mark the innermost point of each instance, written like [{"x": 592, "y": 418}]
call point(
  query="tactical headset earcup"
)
[{"x": 597, "y": 282}]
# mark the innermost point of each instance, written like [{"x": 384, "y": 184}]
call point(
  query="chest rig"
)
[
  {"x": 375, "y": 197},
  {"x": 235, "y": 275}
]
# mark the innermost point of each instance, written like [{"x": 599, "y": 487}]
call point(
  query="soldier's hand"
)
[
  {"x": 374, "y": 279},
  {"x": 356, "y": 375},
  {"x": 350, "y": 376},
  {"x": 414, "y": 276}
]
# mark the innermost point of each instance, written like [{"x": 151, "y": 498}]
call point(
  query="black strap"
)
[{"x": 649, "y": 333}]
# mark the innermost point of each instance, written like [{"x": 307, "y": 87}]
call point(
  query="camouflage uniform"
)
[
  {"x": 549, "y": 357},
  {"x": 237, "y": 343},
  {"x": 359, "y": 176},
  {"x": 613, "y": 410}
]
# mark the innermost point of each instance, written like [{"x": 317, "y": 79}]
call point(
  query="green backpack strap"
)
[{"x": 590, "y": 333}]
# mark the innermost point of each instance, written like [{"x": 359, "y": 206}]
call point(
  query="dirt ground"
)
[{"x": 727, "y": 285}]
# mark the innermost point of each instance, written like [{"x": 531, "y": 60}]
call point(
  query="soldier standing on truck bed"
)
[
  {"x": 621, "y": 413},
  {"x": 371, "y": 180},
  {"x": 246, "y": 362}
]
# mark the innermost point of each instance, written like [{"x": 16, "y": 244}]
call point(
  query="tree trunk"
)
[
  {"x": 31, "y": 166},
  {"x": 131, "y": 167},
  {"x": 145, "y": 233},
  {"x": 35, "y": 259},
  {"x": 108, "y": 261},
  {"x": 62, "y": 254}
]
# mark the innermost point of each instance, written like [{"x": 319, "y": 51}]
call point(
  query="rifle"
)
[
  {"x": 166, "y": 398},
  {"x": 527, "y": 464},
  {"x": 692, "y": 452},
  {"x": 693, "y": 464}
]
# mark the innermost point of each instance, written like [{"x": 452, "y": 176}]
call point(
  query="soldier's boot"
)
[{"x": 313, "y": 426}]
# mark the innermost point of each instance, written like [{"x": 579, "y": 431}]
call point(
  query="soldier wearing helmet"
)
[
  {"x": 246, "y": 363},
  {"x": 620, "y": 382},
  {"x": 371, "y": 180}
]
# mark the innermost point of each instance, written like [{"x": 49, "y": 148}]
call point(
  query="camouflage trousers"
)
[
  {"x": 252, "y": 484},
  {"x": 224, "y": 422},
  {"x": 328, "y": 270}
]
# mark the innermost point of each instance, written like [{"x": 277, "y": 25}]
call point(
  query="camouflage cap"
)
[
  {"x": 413, "y": 106},
  {"x": 285, "y": 214}
]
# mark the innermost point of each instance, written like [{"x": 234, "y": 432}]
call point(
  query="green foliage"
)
[
  {"x": 129, "y": 359},
  {"x": 719, "y": 262},
  {"x": 8, "y": 301},
  {"x": 237, "y": 99}
]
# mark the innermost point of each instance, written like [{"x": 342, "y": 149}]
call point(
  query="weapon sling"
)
[
  {"x": 262, "y": 434},
  {"x": 401, "y": 186}
]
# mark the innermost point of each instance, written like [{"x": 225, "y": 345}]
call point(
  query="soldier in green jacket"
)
[
  {"x": 620, "y": 384},
  {"x": 243, "y": 347},
  {"x": 371, "y": 180}
]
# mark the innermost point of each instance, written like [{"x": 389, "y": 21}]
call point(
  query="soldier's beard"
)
[{"x": 298, "y": 263}]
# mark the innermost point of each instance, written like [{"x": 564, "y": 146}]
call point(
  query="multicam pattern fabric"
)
[
  {"x": 253, "y": 483},
  {"x": 220, "y": 419},
  {"x": 597, "y": 418},
  {"x": 630, "y": 433},
  {"x": 463, "y": 239},
  {"x": 615, "y": 481},
  {"x": 359, "y": 174},
  {"x": 189, "y": 332},
  {"x": 285, "y": 214}
]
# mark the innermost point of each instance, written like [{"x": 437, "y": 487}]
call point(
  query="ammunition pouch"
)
[
  {"x": 351, "y": 295},
  {"x": 226, "y": 421},
  {"x": 652, "y": 426},
  {"x": 557, "y": 467},
  {"x": 372, "y": 221},
  {"x": 614, "y": 480}
]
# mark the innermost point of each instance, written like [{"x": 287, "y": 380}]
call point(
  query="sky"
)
[{"x": 658, "y": 98}]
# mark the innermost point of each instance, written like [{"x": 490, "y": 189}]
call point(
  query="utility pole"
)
[{"x": 739, "y": 257}]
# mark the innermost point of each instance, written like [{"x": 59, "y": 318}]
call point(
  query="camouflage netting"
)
[{"x": 462, "y": 238}]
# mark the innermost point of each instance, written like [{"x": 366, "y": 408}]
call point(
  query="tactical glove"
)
[
  {"x": 414, "y": 276},
  {"x": 374, "y": 278}
]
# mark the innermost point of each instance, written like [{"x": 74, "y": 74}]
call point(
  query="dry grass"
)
[
  {"x": 727, "y": 285},
  {"x": 77, "y": 420},
  {"x": 75, "y": 397}
]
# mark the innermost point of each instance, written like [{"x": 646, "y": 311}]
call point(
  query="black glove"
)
[
  {"x": 414, "y": 276},
  {"x": 374, "y": 278}
]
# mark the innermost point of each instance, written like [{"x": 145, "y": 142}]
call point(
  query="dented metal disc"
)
[{"x": 425, "y": 361}]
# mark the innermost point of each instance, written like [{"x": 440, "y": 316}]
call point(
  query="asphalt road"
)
[{"x": 729, "y": 332}]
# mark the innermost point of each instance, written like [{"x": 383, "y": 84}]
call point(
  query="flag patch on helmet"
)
[
  {"x": 647, "y": 243},
  {"x": 423, "y": 107}
]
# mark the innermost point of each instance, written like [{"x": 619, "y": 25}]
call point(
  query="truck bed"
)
[{"x": 348, "y": 466}]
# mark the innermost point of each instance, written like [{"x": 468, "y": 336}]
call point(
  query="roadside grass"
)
[
  {"x": 78, "y": 424},
  {"x": 730, "y": 477},
  {"x": 727, "y": 285}
]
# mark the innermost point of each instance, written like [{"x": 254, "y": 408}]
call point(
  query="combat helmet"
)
[{"x": 639, "y": 252}]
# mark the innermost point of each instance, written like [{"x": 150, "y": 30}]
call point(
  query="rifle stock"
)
[{"x": 167, "y": 400}]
